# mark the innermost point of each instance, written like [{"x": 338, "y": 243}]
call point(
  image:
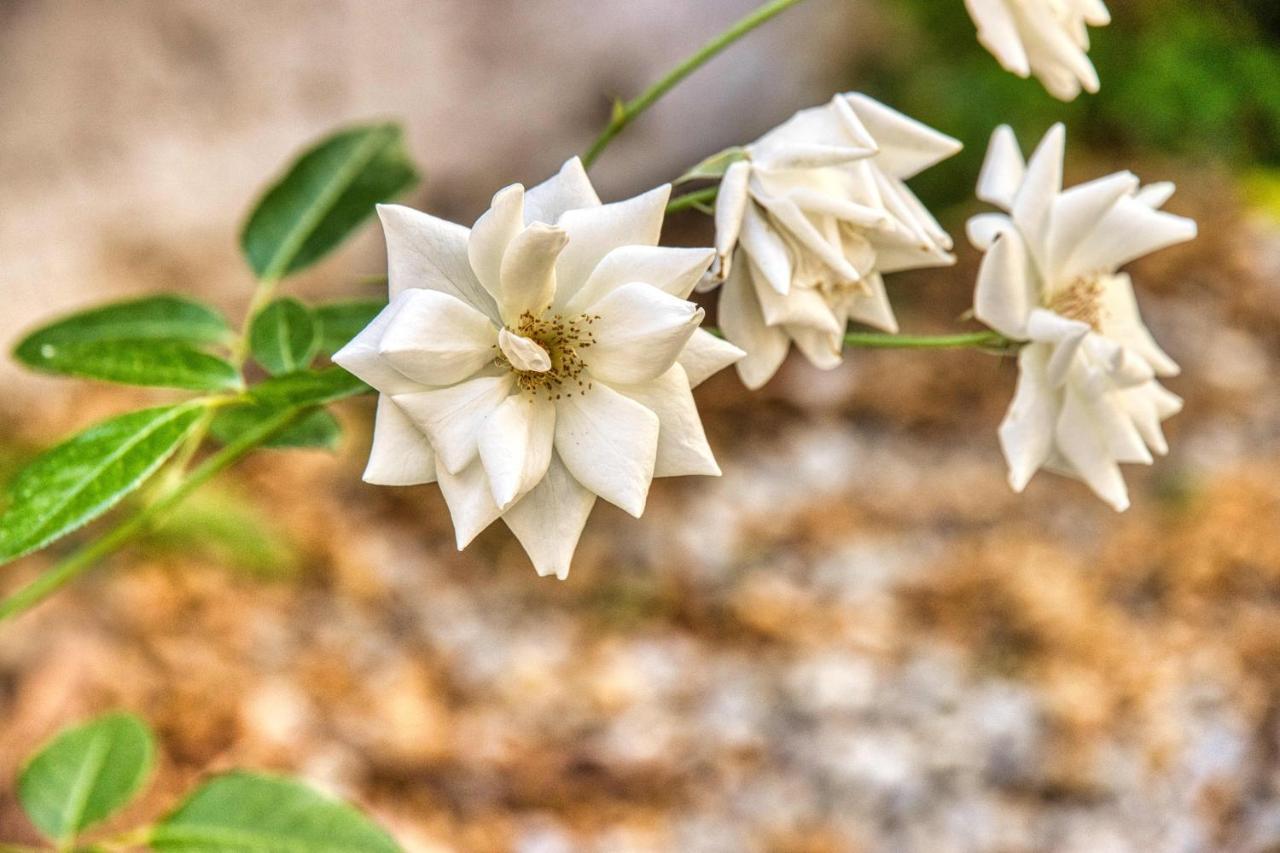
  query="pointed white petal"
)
[
  {"x": 426, "y": 252},
  {"x": 596, "y": 231},
  {"x": 1026, "y": 434},
  {"x": 639, "y": 333},
  {"x": 1043, "y": 182},
  {"x": 451, "y": 417},
  {"x": 1004, "y": 170},
  {"x": 764, "y": 246},
  {"x": 674, "y": 271},
  {"x": 361, "y": 358},
  {"x": 470, "y": 502},
  {"x": 401, "y": 455},
  {"x": 549, "y": 520},
  {"x": 998, "y": 33},
  {"x": 743, "y": 324},
  {"x": 493, "y": 233},
  {"x": 1122, "y": 321},
  {"x": 984, "y": 228},
  {"x": 515, "y": 445},
  {"x": 873, "y": 307},
  {"x": 436, "y": 339},
  {"x": 1007, "y": 286},
  {"x": 682, "y": 443},
  {"x": 529, "y": 272},
  {"x": 706, "y": 355},
  {"x": 1128, "y": 231},
  {"x": 1081, "y": 444},
  {"x": 609, "y": 443},
  {"x": 907, "y": 147},
  {"x": 1078, "y": 210},
  {"x": 731, "y": 206},
  {"x": 823, "y": 349},
  {"x": 569, "y": 189}
]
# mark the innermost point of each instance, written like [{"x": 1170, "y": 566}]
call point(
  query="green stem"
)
[
  {"x": 626, "y": 113},
  {"x": 262, "y": 294},
  {"x": 967, "y": 340},
  {"x": 78, "y": 562},
  {"x": 693, "y": 199}
]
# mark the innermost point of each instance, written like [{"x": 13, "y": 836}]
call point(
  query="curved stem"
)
[
  {"x": 624, "y": 114},
  {"x": 83, "y": 559},
  {"x": 966, "y": 340},
  {"x": 693, "y": 199}
]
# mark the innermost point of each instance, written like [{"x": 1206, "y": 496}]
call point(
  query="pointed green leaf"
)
[
  {"x": 328, "y": 192},
  {"x": 284, "y": 336},
  {"x": 85, "y": 476},
  {"x": 162, "y": 364},
  {"x": 248, "y": 813},
  {"x": 85, "y": 774},
  {"x": 316, "y": 429},
  {"x": 155, "y": 318},
  {"x": 308, "y": 388},
  {"x": 341, "y": 321},
  {"x": 714, "y": 167}
]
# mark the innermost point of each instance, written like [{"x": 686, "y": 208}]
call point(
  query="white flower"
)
[
  {"x": 810, "y": 218},
  {"x": 1047, "y": 38},
  {"x": 538, "y": 360},
  {"x": 1087, "y": 397}
]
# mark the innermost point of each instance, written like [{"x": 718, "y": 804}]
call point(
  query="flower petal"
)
[
  {"x": 640, "y": 332},
  {"x": 1128, "y": 231},
  {"x": 568, "y": 189},
  {"x": 426, "y": 252},
  {"x": 1082, "y": 445},
  {"x": 998, "y": 33},
  {"x": 549, "y": 520},
  {"x": 742, "y": 322},
  {"x": 1007, "y": 286},
  {"x": 1043, "y": 182},
  {"x": 1026, "y": 434},
  {"x": 596, "y": 231},
  {"x": 361, "y": 358},
  {"x": 470, "y": 502},
  {"x": 706, "y": 355},
  {"x": 609, "y": 443},
  {"x": 437, "y": 339},
  {"x": 731, "y": 207},
  {"x": 823, "y": 349},
  {"x": 493, "y": 233},
  {"x": 515, "y": 445},
  {"x": 766, "y": 249},
  {"x": 451, "y": 417},
  {"x": 682, "y": 443},
  {"x": 906, "y": 147},
  {"x": 1003, "y": 170},
  {"x": 871, "y": 308},
  {"x": 529, "y": 272},
  {"x": 674, "y": 271},
  {"x": 1077, "y": 212},
  {"x": 401, "y": 455}
]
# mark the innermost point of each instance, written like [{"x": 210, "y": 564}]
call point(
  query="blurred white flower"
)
[
  {"x": 1087, "y": 397},
  {"x": 1047, "y": 38},
  {"x": 538, "y": 360},
  {"x": 808, "y": 221}
]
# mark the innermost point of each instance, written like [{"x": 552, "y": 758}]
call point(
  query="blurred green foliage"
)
[
  {"x": 1186, "y": 78},
  {"x": 223, "y": 527}
]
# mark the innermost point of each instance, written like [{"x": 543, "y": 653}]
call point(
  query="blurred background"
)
[{"x": 857, "y": 640}]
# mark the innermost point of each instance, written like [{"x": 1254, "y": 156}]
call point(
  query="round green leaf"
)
[
  {"x": 247, "y": 813},
  {"x": 327, "y": 193},
  {"x": 341, "y": 321},
  {"x": 85, "y": 774},
  {"x": 80, "y": 479},
  {"x": 284, "y": 336}
]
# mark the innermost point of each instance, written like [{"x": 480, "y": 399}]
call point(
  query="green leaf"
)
[
  {"x": 341, "y": 321},
  {"x": 284, "y": 336},
  {"x": 316, "y": 429},
  {"x": 155, "y": 318},
  {"x": 80, "y": 479},
  {"x": 326, "y": 194},
  {"x": 308, "y": 388},
  {"x": 164, "y": 364},
  {"x": 714, "y": 167},
  {"x": 86, "y": 774},
  {"x": 248, "y": 813}
]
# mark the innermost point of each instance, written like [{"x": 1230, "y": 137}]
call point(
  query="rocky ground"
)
[{"x": 857, "y": 640}]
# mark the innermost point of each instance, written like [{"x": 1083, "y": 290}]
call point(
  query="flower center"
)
[
  {"x": 545, "y": 353},
  {"x": 1080, "y": 300}
]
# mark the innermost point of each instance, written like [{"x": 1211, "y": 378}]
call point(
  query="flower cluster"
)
[
  {"x": 809, "y": 220},
  {"x": 547, "y": 356}
]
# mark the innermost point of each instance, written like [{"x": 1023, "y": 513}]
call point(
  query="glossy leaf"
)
[
  {"x": 341, "y": 321},
  {"x": 316, "y": 429},
  {"x": 327, "y": 193},
  {"x": 156, "y": 363},
  {"x": 308, "y": 388},
  {"x": 85, "y": 476},
  {"x": 284, "y": 336},
  {"x": 155, "y": 318},
  {"x": 86, "y": 774},
  {"x": 249, "y": 813}
]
